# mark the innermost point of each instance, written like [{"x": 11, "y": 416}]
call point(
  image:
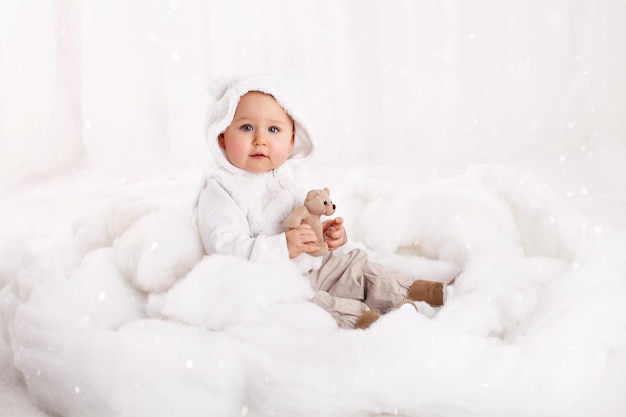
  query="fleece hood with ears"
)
[{"x": 227, "y": 93}]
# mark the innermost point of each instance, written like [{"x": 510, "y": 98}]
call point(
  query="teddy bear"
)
[{"x": 316, "y": 204}]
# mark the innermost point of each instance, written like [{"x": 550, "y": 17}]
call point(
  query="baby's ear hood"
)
[{"x": 226, "y": 92}]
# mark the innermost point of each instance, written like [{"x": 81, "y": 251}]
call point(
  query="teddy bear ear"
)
[{"x": 327, "y": 191}]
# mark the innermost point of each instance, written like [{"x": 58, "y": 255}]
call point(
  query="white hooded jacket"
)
[{"x": 241, "y": 213}]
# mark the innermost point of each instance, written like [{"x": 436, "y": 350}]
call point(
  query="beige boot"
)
[
  {"x": 366, "y": 319},
  {"x": 430, "y": 292}
]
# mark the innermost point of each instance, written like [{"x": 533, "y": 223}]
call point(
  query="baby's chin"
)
[
  {"x": 259, "y": 165},
  {"x": 256, "y": 169}
]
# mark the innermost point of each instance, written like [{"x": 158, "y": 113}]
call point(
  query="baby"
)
[{"x": 256, "y": 133}]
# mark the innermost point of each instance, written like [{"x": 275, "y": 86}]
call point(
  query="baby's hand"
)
[
  {"x": 300, "y": 240},
  {"x": 334, "y": 233}
]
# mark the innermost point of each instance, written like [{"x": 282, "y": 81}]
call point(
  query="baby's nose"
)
[{"x": 259, "y": 139}]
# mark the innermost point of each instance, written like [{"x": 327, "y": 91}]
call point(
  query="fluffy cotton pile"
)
[{"x": 129, "y": 319}]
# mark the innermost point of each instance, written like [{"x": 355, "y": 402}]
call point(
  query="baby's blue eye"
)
[
  {"x": 273, "y": 129},
  {"x": 247, "y": 127}
]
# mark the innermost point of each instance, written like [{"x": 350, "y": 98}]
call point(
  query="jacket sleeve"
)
[{"x": 224, "y": 229}]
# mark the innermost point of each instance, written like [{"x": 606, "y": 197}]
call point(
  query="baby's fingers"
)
[
  {"x": 306, "y": 234},
  {"x": 311, "y": 247},
  {"x": 334, "y": 233}
]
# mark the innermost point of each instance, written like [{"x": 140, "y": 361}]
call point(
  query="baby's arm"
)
[
  {"x": 224, "y": 229},
  {"x": 334, "y": 233}
]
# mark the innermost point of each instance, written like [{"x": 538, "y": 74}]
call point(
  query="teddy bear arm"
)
[
  {"x": 295, "y": 218},
  {"x": 315, "y": 223}
]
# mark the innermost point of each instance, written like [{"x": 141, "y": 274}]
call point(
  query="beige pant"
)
[{"x": 348, "y": 284}]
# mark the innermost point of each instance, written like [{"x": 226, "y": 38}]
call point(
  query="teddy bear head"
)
[{"x": 319, "y": 202}]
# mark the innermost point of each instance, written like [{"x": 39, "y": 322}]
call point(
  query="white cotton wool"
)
[
  {"x": 496, "y": 296},
  {"x": 446, "y": 223},
  {"x": 298, "y": 315},
  {"x": 107, "y": 298},
  {"x": 529, "y": 330},
  {"x": 417, "y": 267},
  {"x": 110, "y": 222},
  {"x": 158, "y": 249},
  {"x": 224, "y": 291},
  {"x": 165, "y": 369},
  {"x": 547, "y": 224},
  {"x": 15, "y": 255}
]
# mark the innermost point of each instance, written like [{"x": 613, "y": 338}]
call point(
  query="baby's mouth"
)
[{"x": 258, "y": 155}]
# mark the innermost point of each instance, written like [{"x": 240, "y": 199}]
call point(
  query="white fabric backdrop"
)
[{"x": 119, "y": 85}]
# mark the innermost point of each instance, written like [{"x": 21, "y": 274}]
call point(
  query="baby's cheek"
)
[
  {"x": 283, "y": 148},
  {"x": 236, "y": 149},
  {"x": 239, "y": 146}
]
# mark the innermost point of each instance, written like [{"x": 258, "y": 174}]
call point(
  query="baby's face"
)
[{"x": 261, "y": 135}]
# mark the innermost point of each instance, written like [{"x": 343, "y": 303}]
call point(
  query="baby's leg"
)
[
  {"x": 340, "y": 275},
  {"x": 354, "y": 276},
  {"x": 345, "y": 311},
  {"x": 385, "y": 291}
]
